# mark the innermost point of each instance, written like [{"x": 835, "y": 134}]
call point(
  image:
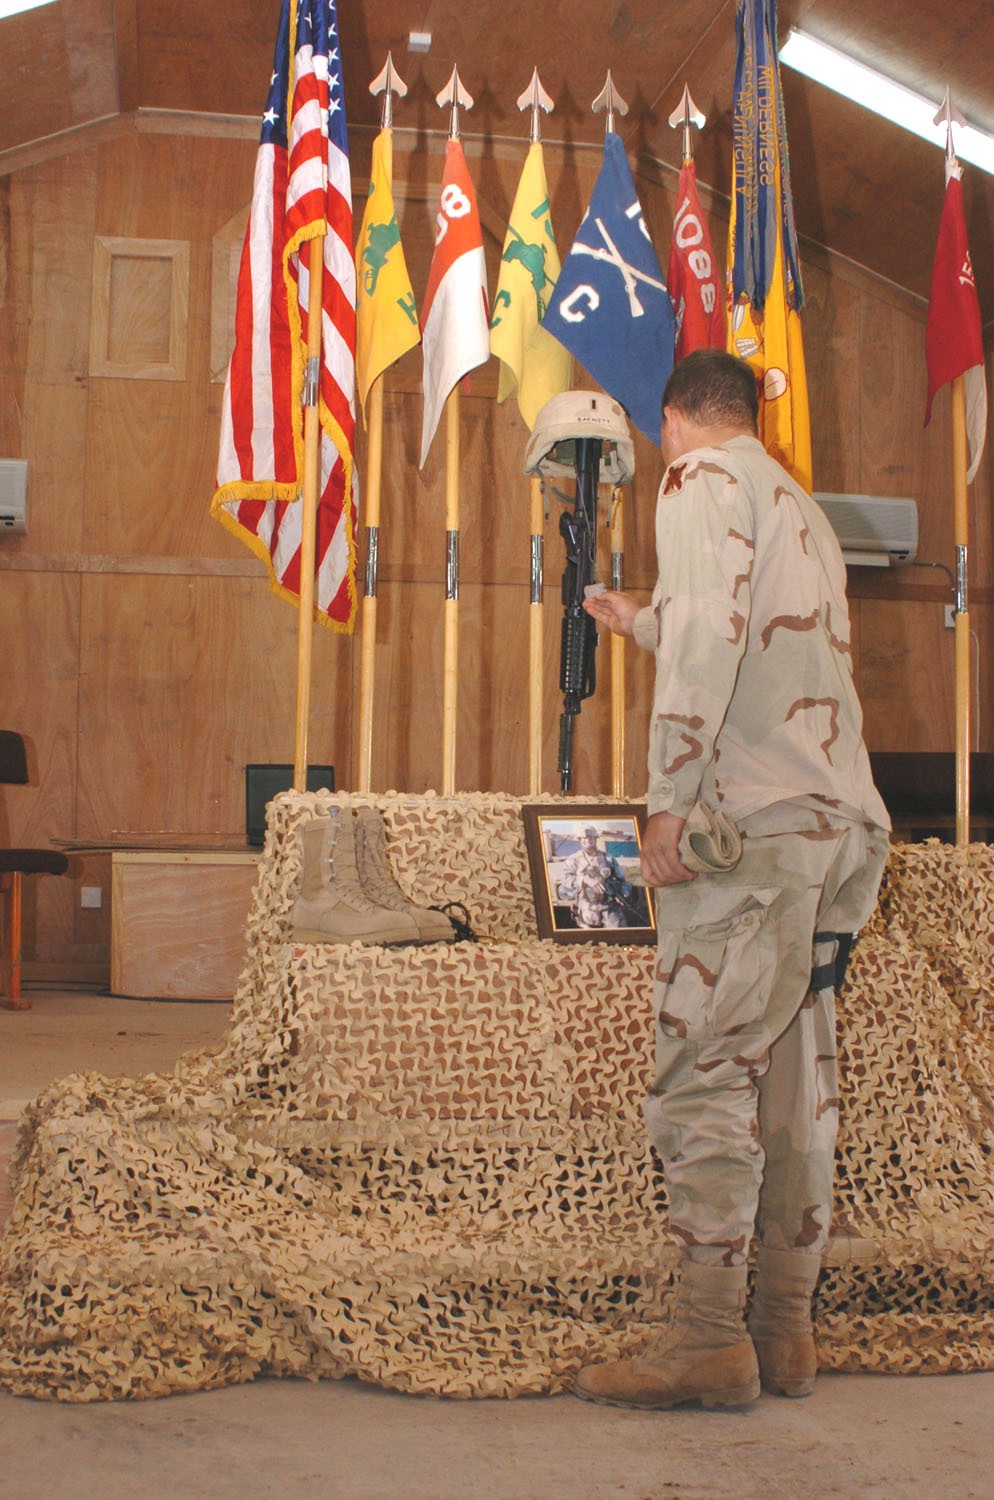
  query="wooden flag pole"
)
[
  {"x": 536, "y": 638},
  {"x": 309, "y": 502},
  {"x": 610, "y": 101},
  {"x": 367, "y": 667},
  {"x": 387, "y": 82},
  {"x": 962, "y": 639},
  {"x": 617, "y": 655},
  {"x": 456, "y": 97},
  {"x": 535, "y": 99},
  {"x": 950, "y": 115},
  {"x": 450, "y": 665}
]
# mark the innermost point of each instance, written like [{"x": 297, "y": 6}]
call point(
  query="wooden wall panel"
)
[
  {"x": 492, "y": 733},
  {"x": 831, "y": 323},
  {"x": 895, "y": 451},
  {"x": 906, "y": 659},
  {"x": 47, "y": 105},
  {"x": 148, "y": 494},
  {"x": 182, "y": 681},
  {"x": 39, "y": 626},
  {"x": 139, "y": 308},
  {"x": 152, "y": 446},
  {"x": 44, "y": 347}
]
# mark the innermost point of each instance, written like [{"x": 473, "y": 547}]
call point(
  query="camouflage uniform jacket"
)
[{"x": 754, "y": 698}]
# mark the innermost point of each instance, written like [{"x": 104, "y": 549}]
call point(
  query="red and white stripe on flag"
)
[
  {"x": 953, "y": 335},
  {"x": 455, "y": 321},
  {"x": 692, "y": 274},
  {"x": 302, "y": 190}
]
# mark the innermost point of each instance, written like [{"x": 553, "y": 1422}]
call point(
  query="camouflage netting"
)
[{"x": 426, "y": 1167}]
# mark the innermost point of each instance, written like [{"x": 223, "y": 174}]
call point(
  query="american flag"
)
[{"x": 302, "y": 189}]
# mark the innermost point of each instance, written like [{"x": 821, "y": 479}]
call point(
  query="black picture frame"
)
[{"x": 624, "y": 912}]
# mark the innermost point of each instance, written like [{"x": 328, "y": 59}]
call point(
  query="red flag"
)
[
  {"x": 692, "y": 274},
  {"x": 302, "y": 190},
  {"x": 953, "y": 340},
  {"x": 455, "y": 320}
]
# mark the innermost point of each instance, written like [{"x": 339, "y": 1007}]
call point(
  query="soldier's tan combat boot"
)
[
  {"x": 780, "y": 1320},
  {"x": 705, "y": 1354},
  {"x": 332, "y": 906},
  {"x": 380, "y": 886}
]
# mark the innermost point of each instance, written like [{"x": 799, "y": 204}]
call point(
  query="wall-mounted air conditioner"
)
[
  {"x": 872, "y": 531},
  {"x": 13, "y": 496}
]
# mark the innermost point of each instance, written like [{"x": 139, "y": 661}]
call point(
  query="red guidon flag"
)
[
  {"x": 953, "y": 341},
  {"x": 302, "y": 191},
  {"x": 692, "y": 274},
  {"x": 455, "y": 321}
]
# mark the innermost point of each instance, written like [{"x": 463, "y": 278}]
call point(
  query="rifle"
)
[{"x": 577, "y": 670}]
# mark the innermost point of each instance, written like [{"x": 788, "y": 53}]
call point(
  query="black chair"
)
[{"x": 14, "y": 865}]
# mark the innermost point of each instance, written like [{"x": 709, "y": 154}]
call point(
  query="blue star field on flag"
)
[
  {"x": 610, "y": 307},
  {"x": 317, "y": 29}
]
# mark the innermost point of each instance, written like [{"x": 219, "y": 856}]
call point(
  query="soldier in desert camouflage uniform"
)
[
  {"x": 593, "y": 884},
  {"x": 755, "y": 714}
]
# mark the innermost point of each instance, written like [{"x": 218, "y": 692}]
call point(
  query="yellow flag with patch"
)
[
  {"x": 531, "y": 360},
  {"x": 764, "y": 282},
  {"x": 771, "y": 341},
  {"x": 386, "y": 315}
]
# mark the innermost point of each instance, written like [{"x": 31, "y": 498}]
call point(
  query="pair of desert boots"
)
[{"x": 348, "y": 893}]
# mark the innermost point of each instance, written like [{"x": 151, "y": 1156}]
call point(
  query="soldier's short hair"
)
[{"x": 714, "y": 389}]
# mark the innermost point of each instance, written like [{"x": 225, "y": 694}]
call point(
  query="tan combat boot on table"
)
[
  {"x": 332, "y": 906},
  {"x": 704, "y": 1355},
  {"x": 780, "y": 1320},
  {"x": 380, "y": 886}
]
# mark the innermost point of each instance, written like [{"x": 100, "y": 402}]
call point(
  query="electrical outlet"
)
[
  {"x": 950, "y": 610},
  {"x": 91, "y": 897}
]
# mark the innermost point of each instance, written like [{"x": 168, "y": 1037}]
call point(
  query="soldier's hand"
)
[
  {"x": 661, "y": 862},
  {"x": 615, "y": 610}
]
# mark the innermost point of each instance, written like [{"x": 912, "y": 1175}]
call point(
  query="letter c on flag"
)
[{"x": 568, "y": 306}]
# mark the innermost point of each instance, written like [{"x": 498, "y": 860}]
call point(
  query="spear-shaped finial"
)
[
  {"x": 535, "y": 98},
  {"x": 948, "y": 112},
  {"x": 388, "y": 82},
  {"x": 610, "y": 100},
  {"x": 454, "y": 94},
  {"x": 687, "y": 115}
]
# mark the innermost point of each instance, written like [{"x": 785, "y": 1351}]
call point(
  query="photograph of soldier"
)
[{"x": 590, "y": 867}]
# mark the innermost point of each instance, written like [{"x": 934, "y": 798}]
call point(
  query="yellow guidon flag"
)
[
  {"x": 764, "y": 283},
  {"x": 386, "y": 315},
  {"x": 530, "y": 359}
]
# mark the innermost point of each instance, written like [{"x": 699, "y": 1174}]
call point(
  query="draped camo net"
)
[{"x": 426, "y": 1167}]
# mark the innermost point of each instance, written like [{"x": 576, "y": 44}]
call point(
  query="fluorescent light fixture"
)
[
  {"x": 854, "y": 80},
  {"x": 14, "y": 7}
]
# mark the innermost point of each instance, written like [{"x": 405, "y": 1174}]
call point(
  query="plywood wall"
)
[{"x": 144, "y": 656}]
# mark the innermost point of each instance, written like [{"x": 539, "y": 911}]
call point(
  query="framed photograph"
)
[{"x": 585, "y": 869}]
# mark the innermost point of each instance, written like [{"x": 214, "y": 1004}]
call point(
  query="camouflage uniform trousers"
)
[{"x": 744, "y": 1106}]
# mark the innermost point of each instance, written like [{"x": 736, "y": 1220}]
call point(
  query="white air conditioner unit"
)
[
  {"x": 13, "y": 496},
  {"x": 873, "y": 532}
]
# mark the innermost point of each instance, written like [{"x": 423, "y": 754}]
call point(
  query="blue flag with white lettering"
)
[{"x": 610, "y": 306}]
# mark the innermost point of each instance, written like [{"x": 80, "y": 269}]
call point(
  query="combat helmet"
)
[{"x": 571, "y": 415}]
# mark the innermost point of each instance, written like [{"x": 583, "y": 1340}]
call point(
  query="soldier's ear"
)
[{"x": 670, "y": 433}]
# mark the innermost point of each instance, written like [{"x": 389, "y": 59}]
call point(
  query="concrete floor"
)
[{"x": 859, "y": 1437}]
